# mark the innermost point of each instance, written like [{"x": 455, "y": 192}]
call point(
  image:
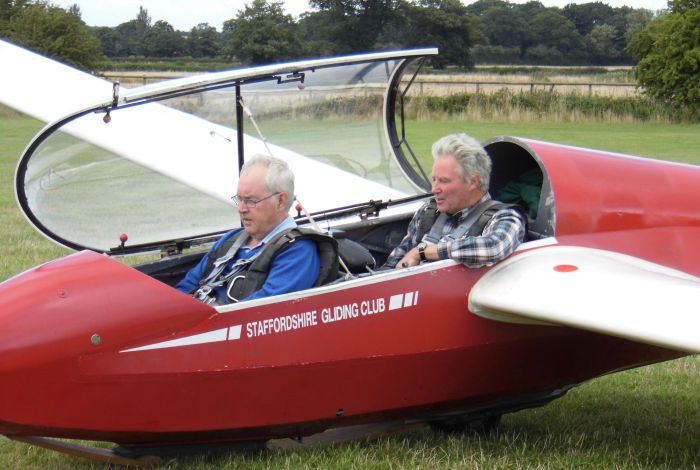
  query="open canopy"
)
[{"x": 161, "y": 162}]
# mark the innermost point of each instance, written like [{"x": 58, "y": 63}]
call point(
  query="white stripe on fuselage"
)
[{"x": 223, "y": 334}]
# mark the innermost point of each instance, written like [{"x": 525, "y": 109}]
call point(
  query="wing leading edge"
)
[{"x": 596, "y": 290}]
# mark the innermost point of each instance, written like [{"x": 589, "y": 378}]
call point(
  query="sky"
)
[{"x": 183, "y": 15}]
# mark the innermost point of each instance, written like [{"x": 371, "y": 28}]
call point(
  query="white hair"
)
[
  {"x": 471, "y": 156},
  {"x": 279, "y": 177}
]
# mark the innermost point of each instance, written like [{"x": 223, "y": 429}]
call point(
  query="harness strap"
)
[
  {"x": 258, "y": 271},
  {"x": 216, "y": 267},
  {"x": 427, "y": 219},
  {"x": 468, "y": 226},
  {"x": 250, "y": 274}
]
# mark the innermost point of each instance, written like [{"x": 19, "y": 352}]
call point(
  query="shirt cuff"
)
[{"x": 443, "y": 250}]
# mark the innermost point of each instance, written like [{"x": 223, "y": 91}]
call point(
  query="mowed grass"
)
[
  {"x": 21, "y": 246},
  {"x": 639, "y": 419},
  {"x": 675, "y": 142}
]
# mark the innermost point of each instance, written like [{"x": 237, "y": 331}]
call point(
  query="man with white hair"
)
[
  {"x": 231, "y": 271},
  {"x": 461, "y": 222}
]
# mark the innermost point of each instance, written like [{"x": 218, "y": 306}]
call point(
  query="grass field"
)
[{"x": 639, "y": 419}]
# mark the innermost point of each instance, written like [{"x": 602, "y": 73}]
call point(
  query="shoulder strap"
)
[
  {"x": 258, "y": 271},
  {"x": 427, "y": 219},
  {"x": 473, "y": 225},
  {"x": 487, "y": 214},
  {"x": 481, "y": 216},
  {"x": 217, "y": 258}
]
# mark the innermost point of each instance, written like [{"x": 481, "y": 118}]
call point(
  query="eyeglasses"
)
[{"x": 248, "y": 201}]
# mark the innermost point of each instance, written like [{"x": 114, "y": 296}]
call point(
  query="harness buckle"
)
[
  {"x": 231, "y": 283},
  {"x": 204, "y": 295}
]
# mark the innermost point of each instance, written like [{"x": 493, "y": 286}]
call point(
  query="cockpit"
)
[{"x": 153, "y": 169}]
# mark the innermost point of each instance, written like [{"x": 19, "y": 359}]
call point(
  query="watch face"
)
[{"x": 421, "y": 251}]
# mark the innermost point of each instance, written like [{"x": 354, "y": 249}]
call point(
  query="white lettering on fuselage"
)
[
  {"x": 331, "y": 314},
  {"x": 353, "y": 310},
  {"x": 281, "y": 324},
  {"x": 292, "y": 322}
]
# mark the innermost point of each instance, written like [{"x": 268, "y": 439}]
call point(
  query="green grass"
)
[
  {"x": 639, "y": 419},
  {"x": 20, "y": 245},
  {"x": 676, "y": 142}
]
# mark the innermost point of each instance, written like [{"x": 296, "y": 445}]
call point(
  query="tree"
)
[
  {"x": 531, "y": 9},
  {"x": 129, "y": 39},
  {"x": 262, "y": 33},
  {"x": 161, "y": 40},
  {"x": 506, "y": 27},
  {"x": 143, "y": 19},
  {"x": 109, "y": 40},
  {"x": 587, "y": 16},
  {"x": 353, "y": 25},
  {"x": 636, "y": 21},
  {"x": 527, "y": 11},
  {"x": 317, "y": 31},
  {"x": 74, "y": 10},
  {"x": 552, "y": 30},
  {"x": 681, "y": 6},
  {"x": 321, "y": 32},
  {"x": 8, "y": 10},
  {"x": 543, "y": 55},
  {"x": 131, "y": 35},
  {"x": 448, "y": 25},
  {"x": 496, "y": 54},
  {"x": 601, "y": 44},
  {"x": 204, "y": 41},
  {"x": 480, "y": 7},
  {"x": 52, "y": 31},
  {"x": 620, "y": 20},
  {"x": 668, "y": 50}
]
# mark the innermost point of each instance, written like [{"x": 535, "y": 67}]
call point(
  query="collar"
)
[{"x": 287, "y": 223}]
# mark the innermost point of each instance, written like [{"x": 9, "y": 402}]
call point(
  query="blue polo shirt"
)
[{"x": 295, "y": 268}]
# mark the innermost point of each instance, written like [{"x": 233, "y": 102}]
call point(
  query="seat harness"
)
[
  {"x": 432, "y": 222},
  {"x": 249, "y": 275}
]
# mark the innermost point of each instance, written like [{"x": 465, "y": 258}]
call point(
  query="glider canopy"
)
[{"x": 160, "y": 163}]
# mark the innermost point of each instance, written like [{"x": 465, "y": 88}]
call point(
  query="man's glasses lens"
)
[{"x": 249, "y": 202}]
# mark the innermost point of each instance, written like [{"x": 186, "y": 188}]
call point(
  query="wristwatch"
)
[{"x": 421, "y": 251}]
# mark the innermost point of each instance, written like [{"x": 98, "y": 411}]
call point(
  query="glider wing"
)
[{"x": 597, "y": 290}]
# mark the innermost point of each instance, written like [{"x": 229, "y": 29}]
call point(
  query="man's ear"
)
[
  {"x": 283, "y": 201},
  {"x": 475, "y": 181}
]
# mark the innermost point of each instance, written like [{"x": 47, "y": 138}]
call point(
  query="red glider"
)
[{"x": 92, "y": 348}]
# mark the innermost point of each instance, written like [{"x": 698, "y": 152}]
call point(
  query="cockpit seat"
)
[
  {"x": 356, "y": 257},
  {"x": 524, "y": 191}
]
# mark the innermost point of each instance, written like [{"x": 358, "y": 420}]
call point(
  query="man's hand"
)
[{"x": 411, "y": 258}]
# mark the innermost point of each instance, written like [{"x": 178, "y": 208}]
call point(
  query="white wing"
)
[
  {"x": 43, "y": 88},
  {"x": 194, "y": 151},
  {"x": 595, "y": 290}
]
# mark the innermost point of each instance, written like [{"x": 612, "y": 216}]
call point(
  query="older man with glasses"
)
[{"x": 265, "y": 195}]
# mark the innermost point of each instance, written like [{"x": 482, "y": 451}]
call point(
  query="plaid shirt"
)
[{"x": 501, "y": 236}]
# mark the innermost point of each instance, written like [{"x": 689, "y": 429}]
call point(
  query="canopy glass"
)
[{"x": 160, "y": 163}]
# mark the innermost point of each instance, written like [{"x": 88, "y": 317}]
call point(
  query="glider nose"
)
[
  {"x": 39, "y": 310},
  {"x": 82, "y": 304}
]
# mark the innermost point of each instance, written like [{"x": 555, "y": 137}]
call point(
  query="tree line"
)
[
  {"x": 486, "y": 31},
  {"x": 664, "y": 44}
]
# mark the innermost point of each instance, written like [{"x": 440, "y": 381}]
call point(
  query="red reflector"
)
[{"x": 565, "y": 268}]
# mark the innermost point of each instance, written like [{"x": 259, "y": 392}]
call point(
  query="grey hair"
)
[
  {"x": 279, "y": 178},
  {"x": 471, "y": 156}
]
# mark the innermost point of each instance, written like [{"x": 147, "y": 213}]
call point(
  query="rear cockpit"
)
[{"x": 518, "y": 177}]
